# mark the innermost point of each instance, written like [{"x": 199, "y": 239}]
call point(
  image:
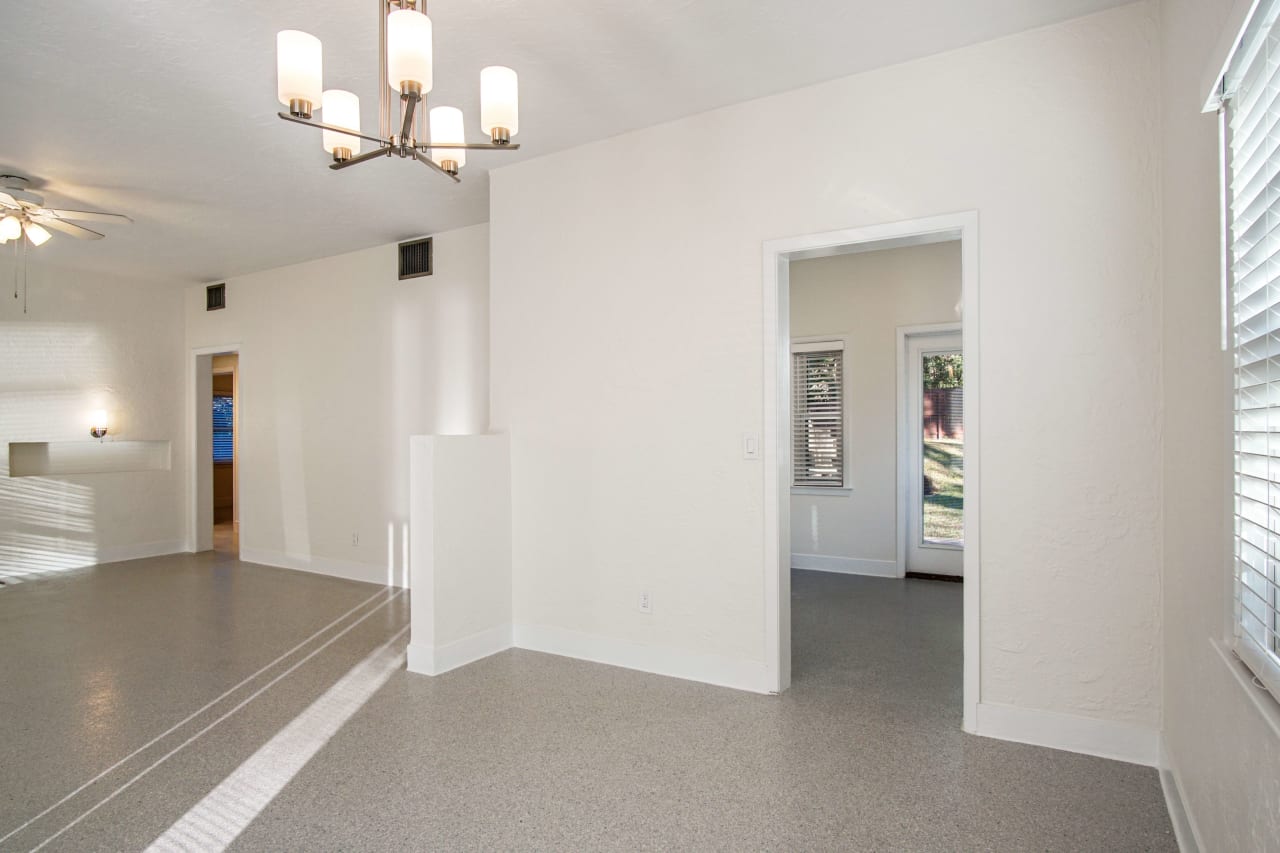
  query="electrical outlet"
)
[
  {"x": 355, "y": 539},
  {"x": 646, "y": 602}
]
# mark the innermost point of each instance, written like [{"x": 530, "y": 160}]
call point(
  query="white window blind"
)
[
  {"x": 817, "y": 414},
  {"x": 1253, "y": 114}
]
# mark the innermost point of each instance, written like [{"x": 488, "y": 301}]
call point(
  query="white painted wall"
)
[
  {"x": 627, "y": 346},
  {"x": 1219, "y": 742},
  {"x": 460, "y": 509},
  {"x": 90, "y": 341},
  {"x": 339, "y": 364},
  {"x": 863, "y": 298}
]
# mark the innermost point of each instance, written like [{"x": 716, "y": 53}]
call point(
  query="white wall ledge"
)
[
  {"x": 53, "y": 458},
  {"x": 1266, "y": 704}
]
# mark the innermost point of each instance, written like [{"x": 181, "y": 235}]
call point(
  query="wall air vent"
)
[
  {"x": 415, "y": 258},
  {"x": 215, "y": 297}
]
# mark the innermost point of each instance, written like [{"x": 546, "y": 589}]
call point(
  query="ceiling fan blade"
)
[
  {"x": 89, "y": 216},
  {"x": 8, "y": 200},
  {"x": 67, "y": 228}
]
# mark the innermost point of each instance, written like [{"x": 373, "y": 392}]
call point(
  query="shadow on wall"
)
[
  {"x": 46, "y": 526},
  {"x": 51, "y": 376}
]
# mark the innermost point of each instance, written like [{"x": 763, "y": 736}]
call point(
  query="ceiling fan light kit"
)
[
  {"x": 23, "y": 218},
  {"x": 23, "y": 212},
  {"x": 405, "y": 76}
]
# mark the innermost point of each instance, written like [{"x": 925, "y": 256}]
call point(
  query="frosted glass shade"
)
[
  {"x": 10, "y": 228},
  {"x": 409, "y": 49},
  {"x": 447, "y": 126},
  {"x": 37, "y": 235},
  {"x": 499, "y": 99},
  {"x": 298, "y": 67},
  {"x": 342, "y": 108}
]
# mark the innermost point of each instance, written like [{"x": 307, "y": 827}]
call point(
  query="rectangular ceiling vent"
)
[
  {"x": 215, "y": 297},
  {"x": 415, "y": 258}
]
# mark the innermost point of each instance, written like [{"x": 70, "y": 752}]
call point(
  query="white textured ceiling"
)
[{"x": 165, "y": 110}]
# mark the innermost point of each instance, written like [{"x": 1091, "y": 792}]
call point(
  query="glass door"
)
[{"x": 935, "y": 445}]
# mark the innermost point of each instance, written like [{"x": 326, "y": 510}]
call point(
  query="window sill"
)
[
  {"x": 1267, "y": 705},
  {"x": 829, "y": 491}
]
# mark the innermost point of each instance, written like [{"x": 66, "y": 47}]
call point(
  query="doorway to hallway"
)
[
  {"x": 782, "y": 521},
  {"x": 224, "y": 436},
  {"x": 214, "y": 445}
]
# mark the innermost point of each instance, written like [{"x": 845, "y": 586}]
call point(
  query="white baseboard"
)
[
  {"x": 437, "y": 660},
  {"x": 660, "y": 660},
  {"x": 1104, "y": 738},
  {"x": 1184, "y": 826},
  {"x": 846, "y": 565},
  {"x": 347, "y": 569},
  {"x": 140, "y": 550}
]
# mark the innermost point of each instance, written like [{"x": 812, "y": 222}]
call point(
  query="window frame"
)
[
  {"x": 1262, "y": 663},
  {"x": 824, "y": 343}
]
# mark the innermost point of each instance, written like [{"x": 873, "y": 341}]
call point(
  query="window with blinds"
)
[
  {"x": 817, "y": 414},
  {"x": 1252, "y": 102},
  {"x": 223, "y": 428}
]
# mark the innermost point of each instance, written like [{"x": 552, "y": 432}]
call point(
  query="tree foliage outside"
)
[
  {"x": 943, "y": 371},
  {"x": 943, "y": 460}
]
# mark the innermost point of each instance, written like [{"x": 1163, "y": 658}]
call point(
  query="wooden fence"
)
[{"x": 944, "y": 413}]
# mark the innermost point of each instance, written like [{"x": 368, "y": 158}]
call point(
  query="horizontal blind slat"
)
[
  {"x": 1254, "y": 194},
  {"x": 817, "y": 426}
]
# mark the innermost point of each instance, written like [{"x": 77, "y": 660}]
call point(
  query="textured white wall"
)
[
  {"x": 339, "y": 364},
  {"x": 626, "y": 299},
  {"x": 90, "y": 341},
  {"x": 1226, "y": 756},
  {"x": 461, "y": 551},
  {"x": 866, "y": 296}
]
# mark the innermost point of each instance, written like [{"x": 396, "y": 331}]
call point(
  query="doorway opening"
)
[
  {"x": 223, "y": 440},
  {"x": 871, "y": 410},
  {"x": 213, "y": 446}
]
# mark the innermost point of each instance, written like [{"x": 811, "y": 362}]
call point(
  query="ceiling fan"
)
[
  {"x": 23, "y": 218},
  {"x": 22, "y": 212}
]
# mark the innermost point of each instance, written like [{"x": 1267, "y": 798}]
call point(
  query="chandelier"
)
[{"x": 405, "y": 78}]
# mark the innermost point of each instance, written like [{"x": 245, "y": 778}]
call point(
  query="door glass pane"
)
[{"x": 942, "y": 428}]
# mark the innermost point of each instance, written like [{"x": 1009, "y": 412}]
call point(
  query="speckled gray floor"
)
[{"x": 522, "y": 750}]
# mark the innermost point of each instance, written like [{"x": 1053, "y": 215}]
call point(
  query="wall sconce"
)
[{"x": 98, "y": 424}]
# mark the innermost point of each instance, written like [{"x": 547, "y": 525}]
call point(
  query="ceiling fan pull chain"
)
[
  {"x": 15, "y": 270},
  {"x": 26, "y": 281}
]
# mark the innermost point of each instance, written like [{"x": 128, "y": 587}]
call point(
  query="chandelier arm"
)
[
  {"x": 467, "y": 146},
  {"x": 411, "y": 104},
  {"x": 427, "y": 161},
  {"x": 322, "y": 126},
  {"x": 362, "y": 158}
]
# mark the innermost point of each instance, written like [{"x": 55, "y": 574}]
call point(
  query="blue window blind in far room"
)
[{"x": 223, "y": 429}]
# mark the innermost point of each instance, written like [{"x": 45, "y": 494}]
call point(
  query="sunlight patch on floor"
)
[{"x": 218, "y": 819}]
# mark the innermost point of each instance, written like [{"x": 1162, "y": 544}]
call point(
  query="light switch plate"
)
[{"x": 750, "y": 445}]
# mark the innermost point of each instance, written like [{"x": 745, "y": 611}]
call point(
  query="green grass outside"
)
[{"x": 944, "y": 509}]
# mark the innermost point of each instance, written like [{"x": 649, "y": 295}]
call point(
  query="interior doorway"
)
[
  {"x": 224, "y": 440},
  {"x": 954, "y": 535},
  {"x": 214, "y": 395}
]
